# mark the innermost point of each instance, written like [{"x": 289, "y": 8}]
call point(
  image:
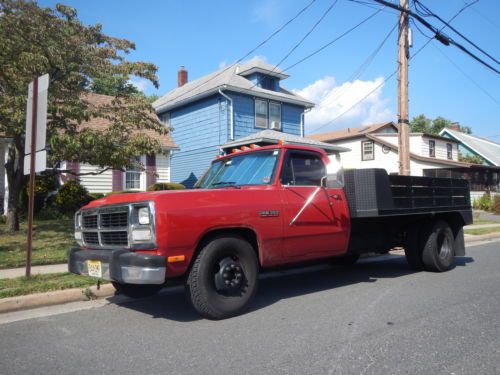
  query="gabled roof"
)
[
  {"x": 271, "y": 137},
  {"x": 414, "y": 156},
  {"x": 485, "y": 148},
  {"x": 351, "y": 132},
  {"x": 98, "y": 123},
  {"x": 231, "y": 79}
]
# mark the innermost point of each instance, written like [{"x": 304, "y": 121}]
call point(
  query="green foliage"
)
[
  {"x": 78, "y": 58},
  {"x": 166, "y": 186},
  {"x": 114, "y": 85},
  {"x": 71, "y": 197},
  {"x": 484, "y": 203},
  {"x": 423, "y": 124},
  {"x": 496, "y": 204},
  {"x": 473, "y": 159},
  {"x": 44, "y": 185},
  {"x": 94, "y": 196},
  {"x": 50, "y": 213}
]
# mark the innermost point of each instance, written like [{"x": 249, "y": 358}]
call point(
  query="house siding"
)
[
  {"x": 198, "y": 129},
  {"x": 163, "y": 168},
  {"x": 290, "y": 118},
  {"x": 101, "y": 183}
]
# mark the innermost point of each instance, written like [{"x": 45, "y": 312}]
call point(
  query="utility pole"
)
[{"x": 403, "y": 55}]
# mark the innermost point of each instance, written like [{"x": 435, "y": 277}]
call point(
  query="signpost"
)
[{"x": 35, "y": 156}]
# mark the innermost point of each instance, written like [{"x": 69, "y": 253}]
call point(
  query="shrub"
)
[
  {"x": 44, "y": 186},
  {"x": 95, "y": 196},
  {"x": 166, "y": 186},
  {"x": 484, "y": 203},
  {"x": 71, "y": 197},
  {"x": 496, "y": 204},
  {"x": 122, "y": 192},
  {"x": 49, "y": 213}
]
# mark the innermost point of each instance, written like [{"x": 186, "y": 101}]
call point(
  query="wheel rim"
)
[
  {"x": 445, "y": 247},
  {"x": 229, "y": 276}
]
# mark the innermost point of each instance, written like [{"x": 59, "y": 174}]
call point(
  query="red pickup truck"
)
[{"x": 262, "y": 208}]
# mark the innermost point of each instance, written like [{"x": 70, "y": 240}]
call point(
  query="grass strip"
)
[
  {"x": 21, "y": 286},
  {"x": 480, "y": 231},
  {"x": 51, "y": 241}
]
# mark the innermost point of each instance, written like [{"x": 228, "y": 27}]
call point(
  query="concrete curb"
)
[
  {"x": 57, "y": 297},
  {"x": 481, "y": 237}
]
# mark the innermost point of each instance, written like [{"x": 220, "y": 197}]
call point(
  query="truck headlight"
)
[
  {"x": 78, "y": 220},
  {"x": 141, "y": 235},
  {"x": 143, "y": 215}
]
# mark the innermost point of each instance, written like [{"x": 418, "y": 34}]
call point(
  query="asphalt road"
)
[{"x": 375, "y": 318}]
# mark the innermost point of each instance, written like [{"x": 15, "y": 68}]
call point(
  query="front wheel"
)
[
  {"x": 223, "y": 278},
  {"x": 137, "y": 290}
]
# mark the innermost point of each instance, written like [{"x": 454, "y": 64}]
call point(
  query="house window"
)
[
  {"x": 275, "y": 116},
  {"x": 432, "y": 149},
  {"x": 134, "y": 177},
  {"x": 165, "y": 119},
  {"x": 260, "y": 113},
  {"x": 449, "y": 151},
  {"x": 367, "y": 150}
]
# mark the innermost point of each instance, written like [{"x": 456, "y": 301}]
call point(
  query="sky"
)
[{"x": 204, "y": 36}]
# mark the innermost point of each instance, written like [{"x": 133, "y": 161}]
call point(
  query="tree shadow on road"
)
[{"x": 172, "y": 303}]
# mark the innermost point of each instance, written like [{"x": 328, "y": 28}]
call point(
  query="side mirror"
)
[{"x": 324, "y": 182}]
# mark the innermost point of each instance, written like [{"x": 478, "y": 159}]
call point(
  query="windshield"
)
[{"x": 256, "y": 168}]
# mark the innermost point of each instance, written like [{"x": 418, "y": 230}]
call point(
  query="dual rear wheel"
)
[{"x": 430, "y": 247}]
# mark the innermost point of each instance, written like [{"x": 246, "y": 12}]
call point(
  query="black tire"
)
[
  {"x": 137, "y": 290},
  {"x": 412, "y": 248},
  {"x": 437, "y": 246},
  {"x": 205, "y": 290},
  {"x": 345, "y": 260}
]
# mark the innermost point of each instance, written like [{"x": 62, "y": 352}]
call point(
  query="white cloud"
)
[
  {"x": 332, "y": 100},
  {"x": 140, "y": 84}
]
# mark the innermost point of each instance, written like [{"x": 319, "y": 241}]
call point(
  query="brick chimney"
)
[
  {"x": 182, "y": 76},
  {"x": 455, "y": 126}
]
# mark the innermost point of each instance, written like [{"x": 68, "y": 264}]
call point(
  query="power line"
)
[
  {"x": 432, "y": 14},
  {"x": 248, "y": 53},
  {"x": 446, "y": 40},
  {"x": 361, "y": 69},
  {"x": 467, "y": 76},
  {"x": 332, "y": 41},
  {"x": 489, "y": 20},
  {"x": 307, "y": 34},
  {"x": 297, "y": 45}
]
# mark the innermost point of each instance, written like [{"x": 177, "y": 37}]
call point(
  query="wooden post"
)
[
  {"x": 403, "y": 54},
  {"x": 31, "y": 203}
]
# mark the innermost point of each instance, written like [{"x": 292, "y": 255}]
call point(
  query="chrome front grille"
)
[
  {"x": 90, "y": 221},
  {"x": 106, "y": 226},
  {"x": 91, "y": 238},
  {"x": 114, "y": 219},
  {"x": 118, "y": 238}
]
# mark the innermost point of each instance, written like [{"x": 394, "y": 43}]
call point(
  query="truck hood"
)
[{"x": 185, "y": 198}]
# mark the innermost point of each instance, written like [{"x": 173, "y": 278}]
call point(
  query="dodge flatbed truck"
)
[{"x": 262, "y": 208}]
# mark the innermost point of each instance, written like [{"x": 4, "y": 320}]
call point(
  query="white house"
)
[{"x": 376, "y": 146}]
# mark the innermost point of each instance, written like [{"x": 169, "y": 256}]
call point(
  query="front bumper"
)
[{"x": 122, "y": 266}]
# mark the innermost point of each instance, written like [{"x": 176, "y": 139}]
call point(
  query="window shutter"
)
[
  {"x": 117, "y": 180},
  {"x": 150, "y": 170}
]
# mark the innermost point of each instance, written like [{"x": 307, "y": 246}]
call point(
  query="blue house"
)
[{"x": 223, "y": 106}]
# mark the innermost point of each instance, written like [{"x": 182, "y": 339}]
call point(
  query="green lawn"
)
[
  {"x": 51, "y": 241},
  {"x": 479, "y": 222},
  {"x": 43, "y": 283},
  {"x": 482, "y": 230}
]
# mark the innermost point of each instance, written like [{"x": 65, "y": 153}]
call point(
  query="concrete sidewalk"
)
[
  {"x": 10, "y": 273},
  {"x": 479, "y": 226}
]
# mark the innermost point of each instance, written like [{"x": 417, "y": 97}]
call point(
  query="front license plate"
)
[{"x": 94, "y": 268}]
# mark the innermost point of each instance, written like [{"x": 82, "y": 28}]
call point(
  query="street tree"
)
[
  {"x": 423, "y": 124},
  {"x": 38, "y": 40}
]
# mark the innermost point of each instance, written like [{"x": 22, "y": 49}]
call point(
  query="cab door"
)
[{"x": 312, "y": 227}]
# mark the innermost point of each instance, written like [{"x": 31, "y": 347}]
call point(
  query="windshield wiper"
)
[{"x": 226, "y": 184}]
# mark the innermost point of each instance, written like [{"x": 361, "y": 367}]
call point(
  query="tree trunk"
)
[{"x": 15, "y": 180}]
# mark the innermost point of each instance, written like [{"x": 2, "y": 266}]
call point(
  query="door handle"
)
[{"x": 336, "y": 196}]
